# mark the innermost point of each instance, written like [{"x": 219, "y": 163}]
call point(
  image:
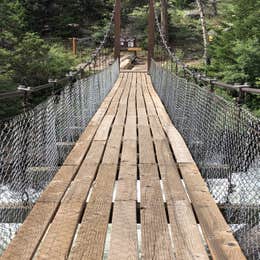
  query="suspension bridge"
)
[{"x": 130, "y": 164}]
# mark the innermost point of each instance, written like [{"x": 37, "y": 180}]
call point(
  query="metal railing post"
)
[{"x": 26, "y": 91}]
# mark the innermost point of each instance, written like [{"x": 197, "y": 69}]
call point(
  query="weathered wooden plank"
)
[
  {"x": 146, "y": 149},
  {"x": 124, "y": 231},
  {"x": 124, "y": 214},
  {"x": 111, "y": 155},
  {"x": 174, "y": 189},
  {"x": 127, "y": 87},
  {"x": 62, "y": 230},
  {"x": 87, "y": 170},
  {"x": 104, "y": 128},
  {"x": 163, "y": 152},
  {"x": 129, "y": 152},
  {"x": 112, "y": 108},
  {"x": 141, "y": 110},
  {"x": 188, "y": 243},
  {"x": 91, "y": 236},
  {"x": 95, "y": 152},
  {"x": 77, "y": 154},
  {"x": 150, "y": 184},
  {"x": 118, "y": 94},
  {"x": 121, "y": 113},
  {"x": 126, "y": 185},
  {"x": 96, "y": 119},
  {"x": 181, "y": 217},
  {"x": 131, "y": 108},
  {"x": 29, "y": 235},
  {"x": 65, "y": 173},
  {"x": 57, "y": 187},
  {"x": 217, "y": 233},
  {"x": 123, "y": 243},
  {"x": 130, "y": 128},
  {"x": 180, "y": 149},
  {"x": 89, "y": 244},
  {"x": 57, "y": 241},
  {"x": 78, "y": 191},
  {"x": 156, "y": 127},
  {"x": 156, "y": 241},
  {"x": 54, "y": 191},
  {"x": 151, "y": 111},
  {"x": 130, "y": 124},
  {"x": 119, "y": 120}
]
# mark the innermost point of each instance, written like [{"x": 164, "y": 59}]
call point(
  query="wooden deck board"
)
[
  {"x": 90, "y": 241},
  {"x": 124, "y": 243},
  {"x": 91, "y": 237},
  {"x": 215, "y": 229},
  {"x": 124, "y": 231},
  {"x": 218, "y": 234},
  {"x": 78, "y": 190},
  {"x": 180, "y": 212},
  {"x": 130, "y": 135},
  {"x": 156, "y": 241},
  {"x": 56, "y": 244},
  {"x": 31, "y": 232}
]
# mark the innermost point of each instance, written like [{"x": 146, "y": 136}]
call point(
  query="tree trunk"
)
[
  {"x": 204, "y": 31},
  {"x": 164, "y": 18},
  {"x": 215, "y": 9}
]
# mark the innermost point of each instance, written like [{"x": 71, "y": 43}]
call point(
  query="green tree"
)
[
  {"x": 236, "y": 51},
  {"x": 33, "y": 61},
  {"x": 53, "y": 18}
]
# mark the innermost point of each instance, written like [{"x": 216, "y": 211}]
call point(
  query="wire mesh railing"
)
[
  {"x": 224, "y": 141},
  {"x": 222, "y": 136},
  {"x": 35, "y": 143}
]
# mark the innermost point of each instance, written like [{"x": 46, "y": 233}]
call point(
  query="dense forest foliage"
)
[{"x": 35, "y": 45}]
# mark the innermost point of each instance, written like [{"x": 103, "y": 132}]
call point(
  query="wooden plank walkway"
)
[{"x": 130, "y": 144}]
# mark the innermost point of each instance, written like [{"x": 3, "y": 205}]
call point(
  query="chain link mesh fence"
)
[
  {"x": 34, "y": 144},
  {"x": 224, "y": 141}
]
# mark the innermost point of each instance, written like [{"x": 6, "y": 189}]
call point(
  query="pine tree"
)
[{"x": 236, "y": 51}]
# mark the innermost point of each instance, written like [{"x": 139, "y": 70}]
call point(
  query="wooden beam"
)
[
  {"x": 117, "y": 29},
  {"x": 74, "y": 45},
  {"x": 151, "y": 39}
]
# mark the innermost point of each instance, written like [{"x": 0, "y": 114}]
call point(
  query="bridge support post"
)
[
  {"x": 117, "y": 29},
  {"x": 74, "y": 45},
  {"x": 151, "y": 39}
]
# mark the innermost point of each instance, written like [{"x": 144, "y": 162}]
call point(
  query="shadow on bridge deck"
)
[{"x": 130, "y": 168}]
